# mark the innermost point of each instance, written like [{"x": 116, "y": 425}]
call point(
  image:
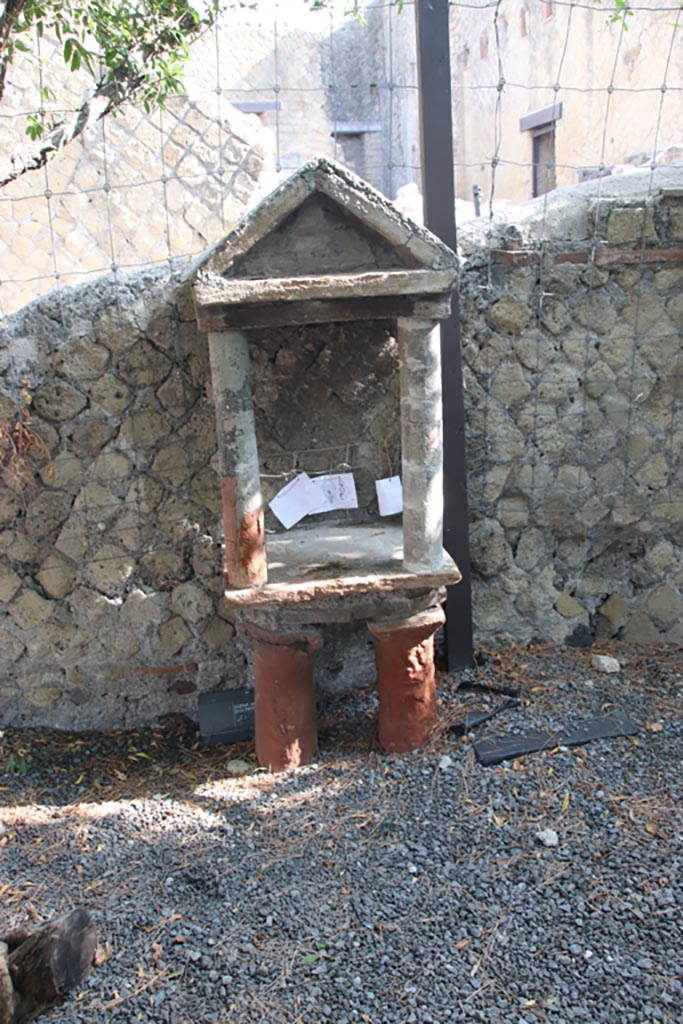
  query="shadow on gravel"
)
[
  {"x": 367, "y": 887},
  {"x": 39, "y": 766}
]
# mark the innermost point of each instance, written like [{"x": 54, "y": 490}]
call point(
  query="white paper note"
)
[
  {"x": 296, "y": 500},
  {"x": 389, "y": 495},
  {"x": 338, "y": 491}
]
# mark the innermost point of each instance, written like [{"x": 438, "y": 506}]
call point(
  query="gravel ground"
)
[{"x": 368, "y": 887}]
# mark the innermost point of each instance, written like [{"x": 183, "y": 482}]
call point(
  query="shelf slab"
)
[{"x": 318, "y": 563}]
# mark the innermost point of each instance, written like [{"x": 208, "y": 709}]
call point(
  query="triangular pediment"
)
[
  {"x": 323, "y": 220},
  {"x": 320, "y": 237}
]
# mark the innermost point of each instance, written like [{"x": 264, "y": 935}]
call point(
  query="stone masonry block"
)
[
  {"x": 112, "y": 394},
  {"x": 218, "y": 633},
  {"x": 57, "y": 576},
  {"x": 491, "y": 552},
  {"x": 631, "y": 224},
  {"x": 596, "y": 313},
  {"x": 173, "y": 635},
  {"x": 162, "y": 565},
  {"x": 143, "y": 428},
  {"x": 674, "y": 308},
  {"x": 67, "y": 472},
  {"x": 643, "y": 312},
  {"x": 96, "y": 504},
  {"x": 555, "y": 316},
  {"x": 144, "y": 366},
  {"x": 141, "y": 608},
  {"x": 90, "y": 437},
  {"x": 664, "y": 605},
  {"x": 47, "y": 511},
  {"x": 110, "y": 569},
  {"x": 191, "y": 602},
  {"x": 112, "y": 468},
  {"x": 30, "y": 610},
  {"x": 675, "y": 225},
  {"x": 612, "y": 615},
  {"x": 9, "y": 583},
  {"x": 172, "y": 464},
  {"x": 11, "y": 648},
  {"x": 510, "y": 385},
  {"x": 509, "y": 315},
  {"x": 641, "y": 629},
  {"x": 568, "y": 607},
  {"x": 59, "y": 401},
  {"x": 177, "y": 394}
]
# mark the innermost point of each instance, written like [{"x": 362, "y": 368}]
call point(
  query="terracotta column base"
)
[
  {"x": 404, "y": 655},
  {"x": 285, "y": 720}
]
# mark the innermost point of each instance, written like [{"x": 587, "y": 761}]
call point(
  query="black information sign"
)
[{"x": 226, "y": 716}]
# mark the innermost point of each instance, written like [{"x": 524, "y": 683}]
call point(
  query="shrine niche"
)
[{"x": 326, "y": 249}]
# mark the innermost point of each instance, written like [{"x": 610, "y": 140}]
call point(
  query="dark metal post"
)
[{"x": 436, "y": 127}]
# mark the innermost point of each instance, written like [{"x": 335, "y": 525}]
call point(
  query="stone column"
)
[
  {"x": 404, "y": 655},
  {"x": 285, "y": 719},
  {"x": 421, "y": 443},
  {"x": 245, "y": 543}
]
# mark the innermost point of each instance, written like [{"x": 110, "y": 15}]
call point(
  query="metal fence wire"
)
[{"x": 572, "y": 362}]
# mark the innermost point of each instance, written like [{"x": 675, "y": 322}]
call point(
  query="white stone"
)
[
  {"x": 603, "y": 663},
  {"x": 548, "y": 837}
]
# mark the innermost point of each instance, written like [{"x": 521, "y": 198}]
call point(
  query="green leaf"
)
[{"x": 34, "y": 128}]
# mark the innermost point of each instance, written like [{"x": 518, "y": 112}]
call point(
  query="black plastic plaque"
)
[
  {"x": 226, "y": 716},
  {"x": 494, "y": 750}
]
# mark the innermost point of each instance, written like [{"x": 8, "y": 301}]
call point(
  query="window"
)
[
  {"x": 543, "y": 158},
  {"x": 541, "y": 125},
  {"x": 524, "y": 21},
  {"x": 354, "y": 141}
]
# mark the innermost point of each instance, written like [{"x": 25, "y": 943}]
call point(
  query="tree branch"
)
[
  {"x": 8, "y": 17},
  {"x": 94, "y": 106}
]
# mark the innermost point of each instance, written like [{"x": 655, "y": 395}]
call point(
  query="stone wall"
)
[
  {"x": 110, "y": 571},
  {"x": 572, "y": 319}
]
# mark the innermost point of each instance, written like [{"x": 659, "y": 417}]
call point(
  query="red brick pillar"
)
[
  {"x": 285, "y": 720},
  {"x": 404, "y": 655}
]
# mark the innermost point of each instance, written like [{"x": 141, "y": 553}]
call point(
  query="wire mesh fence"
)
[{"x": 571, "y": 308}]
